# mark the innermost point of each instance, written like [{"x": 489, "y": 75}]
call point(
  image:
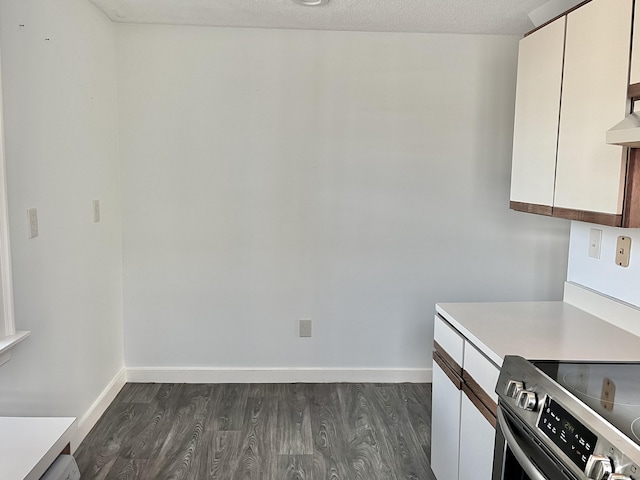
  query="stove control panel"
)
[{"x": 567, "y": 433}]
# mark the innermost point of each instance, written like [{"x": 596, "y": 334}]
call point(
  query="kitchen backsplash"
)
[{"x": 603, "y": 275}]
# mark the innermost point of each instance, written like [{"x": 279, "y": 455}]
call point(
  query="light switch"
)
[
  {"x": 32, "y": 215},
  {"x": 595, "y": 242}
]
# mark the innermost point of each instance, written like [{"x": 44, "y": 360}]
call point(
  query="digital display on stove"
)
[{"x": 567, "y": 433}]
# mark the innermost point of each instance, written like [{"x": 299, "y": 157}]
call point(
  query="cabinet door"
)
[
  {"x": 590, "y": 173},
  {"x": 635, "y": 47},
  {"x": 445, "y": 426},
  {"x": 535, "y": 134},
  {"x": 477, "y": 438}
]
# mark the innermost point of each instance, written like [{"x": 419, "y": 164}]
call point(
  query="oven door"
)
[{"x": 520, "y": 455}]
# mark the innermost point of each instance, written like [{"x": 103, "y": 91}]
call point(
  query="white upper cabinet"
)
[
  {"x": 635, "y": 48},
  {"x": 573, "y": 77},
  {"x": 535, "y": 133},
  {"x": 590, "y": 174}
]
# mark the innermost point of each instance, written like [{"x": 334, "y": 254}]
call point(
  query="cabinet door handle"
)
[
  {"x": 477, "y": 402},
  {"x": 448, "y": 371}
]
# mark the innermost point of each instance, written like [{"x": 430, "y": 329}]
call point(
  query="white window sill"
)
[{"x": 8, "y": 342}]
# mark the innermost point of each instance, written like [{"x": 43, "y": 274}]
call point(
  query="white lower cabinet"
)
[
  {"x": 463, "y": 408},
  {"x": 476, "y": 444},
  {"x": 445, "y": 431}
]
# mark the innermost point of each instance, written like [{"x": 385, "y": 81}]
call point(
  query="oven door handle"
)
[{"x": 530, "y": 469}]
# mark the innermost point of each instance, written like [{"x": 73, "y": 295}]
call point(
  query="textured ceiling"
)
[{"x": 441, "y": 16}]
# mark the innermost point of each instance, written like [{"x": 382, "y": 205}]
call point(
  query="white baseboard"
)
[
  {"x": 91, "y": 417},
  {"x": 278, "y": 375}
]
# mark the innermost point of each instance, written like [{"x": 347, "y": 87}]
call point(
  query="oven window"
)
[{"x": 512, "y": 469}]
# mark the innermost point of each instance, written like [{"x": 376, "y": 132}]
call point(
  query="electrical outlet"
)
[
  {"x": 623, "y": 251},
  {"x": 595, "y": 241},
  {"x": 305, "y": 327},
  {"x": 32, "y": 216},
  {"x": 96, "y": 211}
]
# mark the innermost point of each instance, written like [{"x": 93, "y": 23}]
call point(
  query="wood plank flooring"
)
[{"x": 262, "y": 432}]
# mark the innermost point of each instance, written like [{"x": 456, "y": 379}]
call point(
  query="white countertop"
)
[
  {"x": 540, "y": 331},
  {"x": 29, "y": 445}
]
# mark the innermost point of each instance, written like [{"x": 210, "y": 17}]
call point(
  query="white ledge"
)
[{"x": 10, "y": 341}]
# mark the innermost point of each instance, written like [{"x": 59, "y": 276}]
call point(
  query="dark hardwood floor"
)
[{"x": 262, "y": 432}]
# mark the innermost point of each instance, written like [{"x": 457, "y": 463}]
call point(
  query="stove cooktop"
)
[{"x": 612, "y": 390}]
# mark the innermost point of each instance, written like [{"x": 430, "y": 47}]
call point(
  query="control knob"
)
[
  {"x": 600, "y": 468},
  {"x": 527, "y": 400},
  {"x": 514, "y": 387}
]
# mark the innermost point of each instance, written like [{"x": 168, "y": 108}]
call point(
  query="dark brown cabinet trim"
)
[
  {"x": 634, "y": 91},
  {"x": 632, "y": 192},
  {"x": 482, "y": 408},
  {"x": 448, "y": 371},
  {"x": 481, "y": 399},
  {"x": 531, "y": 208},
  {"x": 589, "y": 217},
  {"x": 465, "y": 382},
  {"x": 448, "y": 359}
]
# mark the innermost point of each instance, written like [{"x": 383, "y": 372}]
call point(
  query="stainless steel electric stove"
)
[{"x": 568, "y": 420}]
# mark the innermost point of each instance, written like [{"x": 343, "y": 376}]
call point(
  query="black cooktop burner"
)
[{"x": 610, "y": 389}]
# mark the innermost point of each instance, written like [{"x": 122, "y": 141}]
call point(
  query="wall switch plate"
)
[
  {"x": 305, "y": 327},
  {"x": 595, "y": 242},
  {"x": 96, "y": 211},
  {"x": 623, "y": 251},
  {"x": 32, "y": 216}
]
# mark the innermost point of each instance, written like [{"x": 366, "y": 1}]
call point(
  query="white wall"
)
[
  {"x": 58, "y": 68},
  {"x": 351, "y": 178},
  {"x": 603, "y": 275}
]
